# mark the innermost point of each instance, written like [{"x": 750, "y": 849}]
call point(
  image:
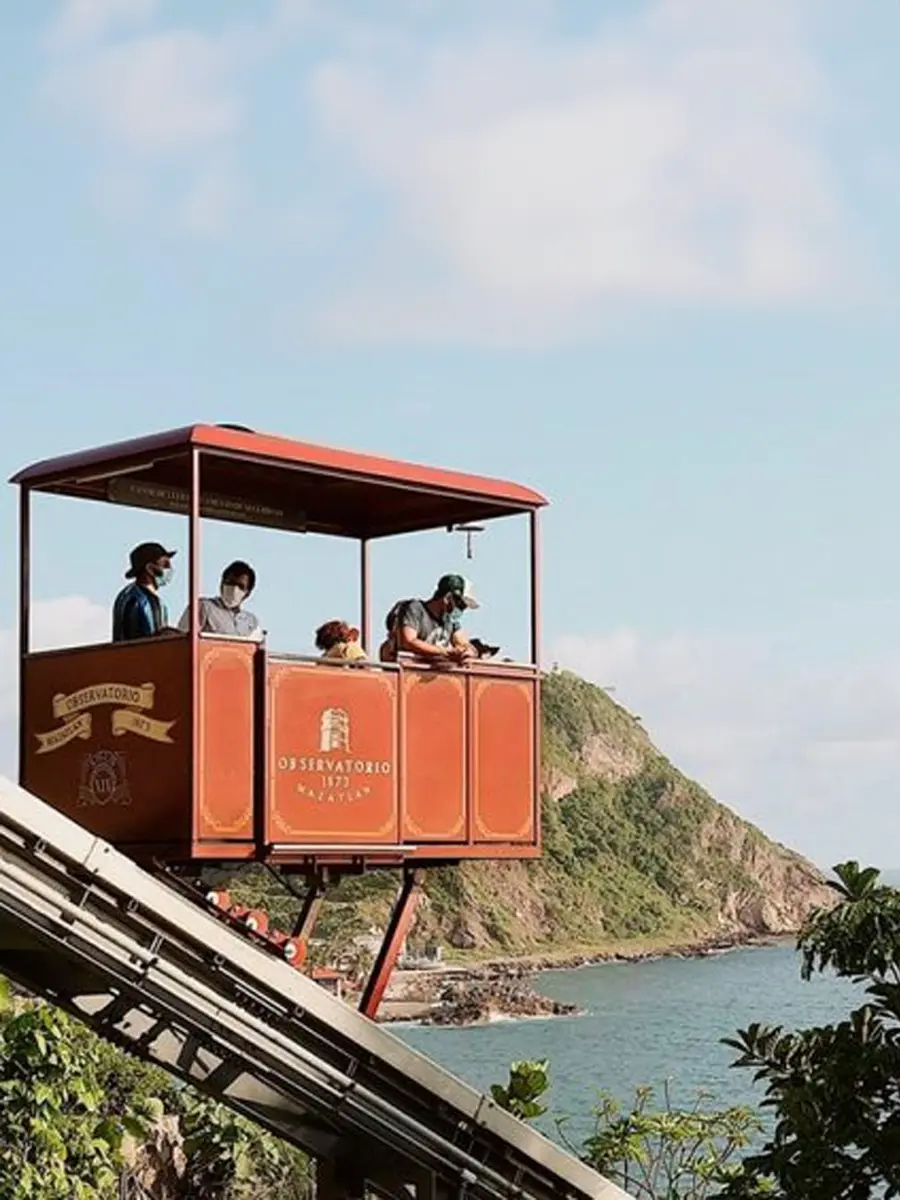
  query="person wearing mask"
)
[
  {"x": 431, "y": 629},
  {"x": 224, "y": 614},
  {"x": 138, "y": 610}
]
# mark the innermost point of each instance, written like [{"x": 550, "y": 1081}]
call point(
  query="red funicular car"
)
[{"x": 195, "y": 750}]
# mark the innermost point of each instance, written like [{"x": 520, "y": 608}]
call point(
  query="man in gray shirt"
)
[
  {"x": 224, "y": 614},
  {"x": 431, "y": 629}
]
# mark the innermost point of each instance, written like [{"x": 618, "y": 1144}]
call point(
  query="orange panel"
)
[
  {"x": 434, "y": 756},
  {"x": 108, "y": 737},
  {"x": 332, "y": 755},
  {"x": 226, "y": 740},
  {"x": 502, "y": 731}
]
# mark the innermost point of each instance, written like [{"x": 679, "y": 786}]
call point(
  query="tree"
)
[
  {"x": 834, "y": 1091},
  {"x": 68, "y": 1099},
  {"x": 230, "y": 1157},
  {"x": 667, "y": 1154},
  {"x": 59, "y": 1142}
]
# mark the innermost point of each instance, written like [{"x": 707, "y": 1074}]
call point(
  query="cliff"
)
[
  {"x": 633, "y": 850},
  {"x": 635, "y": 856}
]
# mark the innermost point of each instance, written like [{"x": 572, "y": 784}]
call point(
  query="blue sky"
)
[{"x": 644, "y": 261}]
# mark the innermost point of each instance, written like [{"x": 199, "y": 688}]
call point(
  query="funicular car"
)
[{"x": 192, "y": 750}]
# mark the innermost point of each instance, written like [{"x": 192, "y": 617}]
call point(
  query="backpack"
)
[{"x": 391, "y": 619}]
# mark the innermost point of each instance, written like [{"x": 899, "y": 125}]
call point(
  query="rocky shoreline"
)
[
  {"x": 704, "y": 948},
  {"x": 502, "y": 989},
  {"x": 480, "y": 1002}
]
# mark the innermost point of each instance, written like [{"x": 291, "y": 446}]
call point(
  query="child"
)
[{"x": 337, "y": 639}]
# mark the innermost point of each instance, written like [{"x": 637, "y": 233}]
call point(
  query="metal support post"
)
[
  {"x": 24, "y": 618},
  {"x": 312, "y": 904},
  {"x": 365, "y": 595},
  {"x": 398, "y": 928}
]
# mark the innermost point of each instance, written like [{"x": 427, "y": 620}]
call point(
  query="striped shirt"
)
[{"x": 138, "y": 612}]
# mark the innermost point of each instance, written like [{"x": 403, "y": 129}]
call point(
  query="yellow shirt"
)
[{"x": 348, "y": 651}]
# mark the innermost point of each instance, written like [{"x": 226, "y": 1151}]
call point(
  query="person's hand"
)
[
  {"x": 440, "y": 657},
  {"x": 458, "y": 654}
]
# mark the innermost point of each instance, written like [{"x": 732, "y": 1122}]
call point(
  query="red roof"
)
[{"x": 276, "y": 481}]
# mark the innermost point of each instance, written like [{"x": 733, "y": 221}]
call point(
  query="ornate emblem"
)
[
  {"x": 334, "y": 730},
  {"x": 104, "y": 779},
  {"x": 333, "y": 774}
]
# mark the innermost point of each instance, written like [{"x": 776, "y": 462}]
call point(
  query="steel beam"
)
[
  {"x": 310, "y": 909},
  {"x": 398, "y": 927}
]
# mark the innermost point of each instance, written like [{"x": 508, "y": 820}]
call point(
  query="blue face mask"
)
[{"x": 163, "y": 576}]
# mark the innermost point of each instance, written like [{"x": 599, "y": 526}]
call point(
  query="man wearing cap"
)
[
  {"x": 138, "y": 611},
  {"x": 431, "y": 629}
]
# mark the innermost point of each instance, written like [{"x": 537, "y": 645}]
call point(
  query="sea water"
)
[{"x": 645, "y": 1023}]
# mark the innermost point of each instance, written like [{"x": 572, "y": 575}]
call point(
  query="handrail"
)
[{"x": 407, "y": 661}]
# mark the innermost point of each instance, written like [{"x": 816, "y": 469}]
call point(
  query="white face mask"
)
[{"x": 232, "y": 595}]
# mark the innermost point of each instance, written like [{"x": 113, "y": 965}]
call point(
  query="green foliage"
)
[
  {"x": 629, "y": 857},
  {"x": 574, "y": 711},
  {"x": 335, "y": 935},
  {"x": 528, "y": 1081},
  {"x": 229, "y": 1158},
  {"x": 445, "y": 892},
  {"x": 669, "y": 1153},
  {"x": 834, "y": 1090},
  {"x": 60, "y": 1139},
  {"x": 127, "y": 1083},
  {"x": 68, "y": 1099}
]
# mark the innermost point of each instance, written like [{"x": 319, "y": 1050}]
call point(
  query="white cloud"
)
[
  {"x": 162, "y": 93},
  {"x": 541, "y": 182},
  {"x": 84, "y": 20},
  {"x": 813, "y": 756},
  {"x": 159, "y": 109},
  {"x": 68, "y": 621}
]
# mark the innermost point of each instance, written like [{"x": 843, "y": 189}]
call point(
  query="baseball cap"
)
[
  {"x": 145, "y": 553},
  {"x": 459, "y": 587}
]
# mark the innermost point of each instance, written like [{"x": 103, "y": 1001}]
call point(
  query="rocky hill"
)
[{"x": 635, "y": 856}]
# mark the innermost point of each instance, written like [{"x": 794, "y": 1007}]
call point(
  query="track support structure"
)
[
  {"x": 200, "y": 994},
  {"x": 398, "y": 927},
  {"x": 387, "y": 1178},
  {"x": 311, "y": 906}
]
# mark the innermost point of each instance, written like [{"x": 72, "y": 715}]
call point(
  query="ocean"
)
[{"x": 645, "y": 1023}]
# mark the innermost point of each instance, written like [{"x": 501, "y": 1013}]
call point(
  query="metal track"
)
[{"x": 84, "y": 926}]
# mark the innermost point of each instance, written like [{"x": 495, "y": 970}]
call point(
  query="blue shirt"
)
[{"x": 138, "y": 612}]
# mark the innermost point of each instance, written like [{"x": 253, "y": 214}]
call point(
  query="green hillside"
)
[{"x": 634, "y": 853}]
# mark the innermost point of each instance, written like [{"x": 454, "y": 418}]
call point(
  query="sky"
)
[{"x": 642, "y": 256}]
